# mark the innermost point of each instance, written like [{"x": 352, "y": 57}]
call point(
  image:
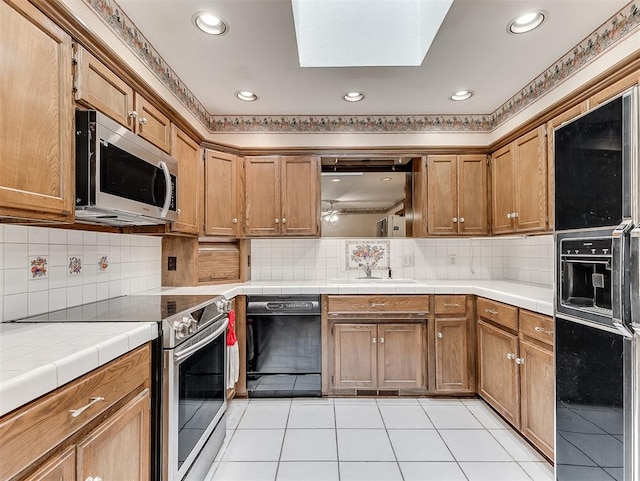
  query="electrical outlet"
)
[
  {"x": 452, "y": 259},
  {"x": 172, "y": 263},
  {"x": 408, "y": 260}
]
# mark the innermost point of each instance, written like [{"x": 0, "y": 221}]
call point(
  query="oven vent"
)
[{"x": 375, "y": 392}]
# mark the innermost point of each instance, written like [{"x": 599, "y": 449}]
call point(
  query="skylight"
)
[{"x": 366, "y": 33}]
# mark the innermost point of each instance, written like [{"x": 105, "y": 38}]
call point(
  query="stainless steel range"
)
[{"x": 188, "y": 379}]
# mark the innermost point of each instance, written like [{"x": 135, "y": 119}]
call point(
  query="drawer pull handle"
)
[
  {"x": 77, "y": 412},
  {"x": 440, "y": 336},
  {"x": 541, "y": 329},
  {"x": 491, "y": 311},
  {"x": 511, "y": 356},
  {"x": 447, "y": 304},
  {"x": 92, "y": 478},
  {"x": 377, "y": 304}
]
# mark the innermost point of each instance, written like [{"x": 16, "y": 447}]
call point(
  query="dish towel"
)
[{"x": 233, "y": 352}]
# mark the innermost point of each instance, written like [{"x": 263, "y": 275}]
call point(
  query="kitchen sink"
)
[{"x": 372, "y": 281}]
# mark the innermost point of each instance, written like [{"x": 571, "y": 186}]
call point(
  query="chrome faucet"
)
[{"x": 366, "y": 269}]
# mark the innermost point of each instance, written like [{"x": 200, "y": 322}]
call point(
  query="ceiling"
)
[{"x": 472, "y": 49}]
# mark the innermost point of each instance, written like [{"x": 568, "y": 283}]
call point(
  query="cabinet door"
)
[
  {"x": 472, "y": 195},
  {"x": 36, "y": 115},
  {"x": 442, "y": 204},
  {"x": 400, "y": 356},
  {"x": 530, "y": 155},
  {"x": 187, "y": 153},
  {"x": 221, "y": 194},
  {"x": 100, "y": 88},
  {"x": 60, "y": 468},
  {"x": 354, "y": 356},
  {"x": 537, "y": 382},
  {"x": 452, "y": 358},
  {"x": 120, "y": 447},
  {"x": 300, "y": 195},
  {"x": 262, "y": 196},
  {"x": 498, "y": 379},
  {"x": 152, "y": 124},
  {"x": 502, "y": 179}
]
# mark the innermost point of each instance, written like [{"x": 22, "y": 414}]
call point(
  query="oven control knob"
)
[
  {"x": 605, "y": 251},
  {"x": 182, "y": 330},
  {"x": 220, "y": 305},
  {"x": 227, "y": 305},
  {"x": 193, "y": 324}
]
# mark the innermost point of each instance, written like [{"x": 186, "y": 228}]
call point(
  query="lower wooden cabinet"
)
[
  {"x": 378, "y": 356},
  {"x": 60, "y": 468}
]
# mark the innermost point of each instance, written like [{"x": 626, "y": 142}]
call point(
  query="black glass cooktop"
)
[{"x": 135, "y": 308}]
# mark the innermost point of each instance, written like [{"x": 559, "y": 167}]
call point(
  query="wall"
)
[
  {"x": 128, "y": 264},
  {"x": 525, "y": 259}
]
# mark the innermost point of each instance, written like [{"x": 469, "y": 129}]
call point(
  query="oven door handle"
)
[
  {"x": 182, "y": 355},
  {"x": 620, "y": 248},
  {"x": 634, "y": 281}
]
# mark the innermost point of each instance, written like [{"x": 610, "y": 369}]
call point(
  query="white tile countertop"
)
[
  {"x": 38, "y": 358},
  {"x": 534, "y": 297}
]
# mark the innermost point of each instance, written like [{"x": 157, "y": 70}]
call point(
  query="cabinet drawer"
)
[
  {"x": 41, "y": 425},
  {"x": 498, "y": 312},
  {"x": 378, "y": 304},
  {"x": 451, "y": 305},
  {"x": 536, "y": 326}
]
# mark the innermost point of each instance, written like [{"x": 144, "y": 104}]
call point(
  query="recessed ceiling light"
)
[
  {"x": 246, "y": 95},
  {"x": 385, "y": 179},
  {"x": 353, "y": 96},
  {"x": 336, "y": 180},
  {"x": 462, "y": 95},
  {"x": 526, "y": 22},
  {"x": 209, "y": 23}
]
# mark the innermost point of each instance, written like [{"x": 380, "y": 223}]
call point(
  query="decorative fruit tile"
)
[
  {"x": 39, "y": 267},
  {"x": 75, "y": 266},
  {"x": 373, "y": 254},
  {"x": 103, "y": 263}
]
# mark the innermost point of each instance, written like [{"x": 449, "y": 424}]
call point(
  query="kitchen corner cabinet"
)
[
  {"x": 281, "y": 196},
  {"x": 109, "y": 438},
  {"x": 96, "y": 86},
  {"x": 36, "y": 116},
  {"x": 187, "y": 152},
  {"x": 222, "y": 186},
  {"x": 519, "y": 185},
  {"x": 457, "y": 195},
  {"x": 454, "y": 360}
]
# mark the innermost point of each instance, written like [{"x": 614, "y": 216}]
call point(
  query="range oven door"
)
[{"x": 194, "y": 397}]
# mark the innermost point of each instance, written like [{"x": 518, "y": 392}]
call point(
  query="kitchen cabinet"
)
[
  {"x": 281, "y": 196},
  {"x": 36, "y": 117},
  {"x": 187, "y": 152},
  {"x": 375, "y": 344},
  {"x": 222, "y": 203},
  {"x": 454, "y": 362},
  {"x": 457, "y": 195},
  {"x": 83, "y": 426},
  {"x": 519, "y": 185},
  {"x": 96, "y": 86}
]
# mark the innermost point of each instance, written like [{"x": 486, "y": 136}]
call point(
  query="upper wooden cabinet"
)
[
  {"x": 281, "y": 196},
  {"x": 98, "y": 87},
  {"x": 457, "y": 195},
  {"x": 519, "y": 185},
  {"x": 187, "y": 153},
  {"x": 36, "y": 115},
  {"x": 222, "y": 187}
]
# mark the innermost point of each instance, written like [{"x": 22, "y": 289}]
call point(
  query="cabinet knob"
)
[
  {"x": 382, "y": 340},
  {"x": 143, "y": 121},
  {"x": 509, "y": 216},
  {"x": 178, "y": 211},
  {"x": 455, "y": 219},
  {"x": 133, "y": 114},
  {"x": 234, "y": 220},
  {"x": 519, "y": 360},
  {"x": 284, "y": 220},
  {"x": 511, "y": 356},
  {"x": 277, "y": 221},
  {"x": 440, "y": 336},
  {"x": 373, "y": 340},
  {"x": 461, "y": 219},
  {"x": 515, "y": 215}
]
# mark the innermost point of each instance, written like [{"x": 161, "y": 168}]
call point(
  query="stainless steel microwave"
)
[{"x": 121, "y": 179}]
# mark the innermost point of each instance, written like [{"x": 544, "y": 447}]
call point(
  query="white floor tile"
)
[
  {"x": 404, "y": 417},
  {"x": 487, "y": 417},
  {"x": 245, "y": 472},
  {"x": 452, "y": 417},
  {"x": 307, "y": 471},
  {"x": 255, "y": 445},
  {"x": 360, "y": 416},
  {"x": 474, "y": 445},
  {"x": 309, "y": 445},
  {"x": 542, "y": 471},
  {"x": 419, "y": 445},
  {"x": 518, "y": 448},
  {"x": 311, "y": 416},
  {"x": 264, "y": 416},
  {"x": 364, "y": 445},
  {"x": 234, "y": 413},
  {"x": 472, "y": 401},
  {"x": 494, "y": 472},
  {"x": 417, "y": 471},
  {"x": 397, "y": 401},
  {"x": 371, "y": 471}
]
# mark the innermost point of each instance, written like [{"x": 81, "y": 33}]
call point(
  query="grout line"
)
[
  {"x": 284, "y": 436},
  {"x": 386, "y": 431},
  {"x": 335, "y": 429}
]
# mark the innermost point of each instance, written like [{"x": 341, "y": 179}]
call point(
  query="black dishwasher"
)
[{"x": 283, "y": 346}]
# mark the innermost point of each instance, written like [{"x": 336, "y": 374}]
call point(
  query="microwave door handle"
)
[
  {"x": 618, "y": 281},
  {"x": 169, "y": 189}
]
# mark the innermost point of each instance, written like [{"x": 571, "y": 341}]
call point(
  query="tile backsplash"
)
[
  {"x": 525, "y": 259},
  {"x": 44, "y": 269}
]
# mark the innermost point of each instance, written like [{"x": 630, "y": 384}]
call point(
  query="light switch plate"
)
[{"x": 408, "y": 260}]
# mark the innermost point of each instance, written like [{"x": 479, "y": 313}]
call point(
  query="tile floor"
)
[{"x": 305, "y": 439}]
